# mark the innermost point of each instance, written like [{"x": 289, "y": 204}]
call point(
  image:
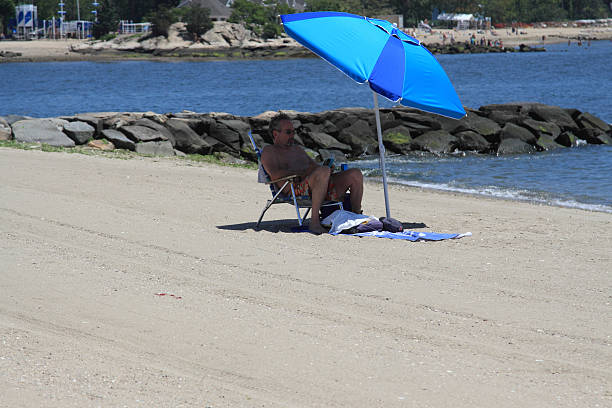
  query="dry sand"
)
[
  {"x": 60, "y": 50},
  {"x": 518, "y": 315}
]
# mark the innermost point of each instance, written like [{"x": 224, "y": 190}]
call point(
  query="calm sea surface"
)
[{"x": 571, "y": 77}]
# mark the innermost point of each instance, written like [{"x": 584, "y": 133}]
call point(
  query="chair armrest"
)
[{"x": 293, "y": 176}]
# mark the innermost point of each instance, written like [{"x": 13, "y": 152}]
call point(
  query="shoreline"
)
[
  {"x": 512, "y": 313},
  {"x": 373, "y": 180},
  {"x": 62, "y": 50}
]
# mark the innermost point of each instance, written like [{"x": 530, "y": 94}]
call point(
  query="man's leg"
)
[
  {"x": 351, "y": 179},
  {"x": 318, "y": 181}
]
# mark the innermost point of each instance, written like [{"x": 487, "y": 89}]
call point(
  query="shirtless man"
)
[{"x": 284, "y": 158}]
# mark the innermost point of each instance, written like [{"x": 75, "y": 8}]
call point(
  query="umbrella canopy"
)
[{"x": 394, "y": 65}]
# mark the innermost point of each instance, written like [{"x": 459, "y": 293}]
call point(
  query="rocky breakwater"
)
[
  {"x": 344, "y": 134},
  {"x": 224, "y": 40}
]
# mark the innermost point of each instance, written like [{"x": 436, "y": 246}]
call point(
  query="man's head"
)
[{"x": 281, "y": 129}]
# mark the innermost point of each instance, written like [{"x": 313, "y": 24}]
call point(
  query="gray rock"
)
[
  {"x": 588, "y": 121},
  {"x": 118, "y": 139},
  {"x": 5, "y": 130},
  {"x": 47, "y": 131},
  {"x": 436, "y": 141},
  {"x": 198, "y": 125},
  {"x": 143, "y": 134},
  {"x": 512, "y": 131},
  {"x": 227, "y": 135},
  {"x": 328, "y": 127},
  {"x": 541, "y": 128},
  {"x": 94, "y": 122},
  {"x": 10, "y": 119},
  {"x": 503, "y": 117},
  {"x": 158, "y": 148},
  {"x": 483, "y": 126},
  {"x": 594, "y": 136},
  {"x": 472, "y": 141},
  {"x": 553, "y": 114},
  {"x": 414, "y": 120},
  {"x": 321, "y": 140},
  {"x": 359, "y": 137},
  {"x": 514, "y": 146},
  {"x": 186, "y": 139},
  {"x": 218, "y": 146},
  {"x": 567, "y": 139},
  {"x": 547, "y": 142},
  {"x": 80, "y": 132},
  {"x": 339, "y": 157},
  {"x": 146, "y": 122},
  {"x": 398, "y": 139}
]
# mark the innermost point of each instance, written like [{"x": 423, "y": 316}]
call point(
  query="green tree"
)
[
  {"x": 198, "y": 20},
  {"x": 260, "y": 18},
  {"x": 7, "y": 11},
  {"x": 108, "y": 19},
  {"x": 161, "y": 20}
]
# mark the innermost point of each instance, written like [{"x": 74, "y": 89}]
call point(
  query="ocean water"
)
[{"x": 567, "y": 76}]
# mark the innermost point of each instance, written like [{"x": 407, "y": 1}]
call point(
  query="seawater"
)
[{"x": 567, "y": 76}]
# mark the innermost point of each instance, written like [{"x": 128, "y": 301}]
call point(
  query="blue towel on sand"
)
[{"x": 410, "y": 235}]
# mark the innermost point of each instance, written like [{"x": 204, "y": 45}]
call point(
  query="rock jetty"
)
[
  {"x": 234, "y": 41},
  {"x": 344, "y": 134}
]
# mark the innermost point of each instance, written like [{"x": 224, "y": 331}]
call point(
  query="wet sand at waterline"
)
[{"x": 517, "y": 315}]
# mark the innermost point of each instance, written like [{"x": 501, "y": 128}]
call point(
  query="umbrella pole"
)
[{"x": 381, "y": 150}]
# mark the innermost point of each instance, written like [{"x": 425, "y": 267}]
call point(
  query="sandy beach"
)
[
  {"x": 62, "y": 50},
  {"x": 517, "y": 315}
]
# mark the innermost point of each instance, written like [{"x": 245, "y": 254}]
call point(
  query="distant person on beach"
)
[{"x": 285, "y": 158}]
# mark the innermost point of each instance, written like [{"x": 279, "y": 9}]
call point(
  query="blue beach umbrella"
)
[{"x": 394, "y": 64}]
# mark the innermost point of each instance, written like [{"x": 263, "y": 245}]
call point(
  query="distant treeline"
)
[{"x": 262, "y": 12}]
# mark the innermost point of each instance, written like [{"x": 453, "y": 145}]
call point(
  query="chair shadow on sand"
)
[{"x": 289, "y": 225}]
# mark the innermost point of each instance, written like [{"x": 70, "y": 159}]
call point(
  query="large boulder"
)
[
  {"x": 143, "y": 133},
  {"x": 540, "y": 128},
  {"x": 481, "y": 125},
  {"x": 567, "y": 139},
  {"x": 436, "y": 141},
  {"x": 588, "y": 121},
  {"x": 472, "y": 141},
  {"x": 186, "y": 139},
  {"x": 5, "y": 130},
  {"x": 152, "y": 124},
  {"x": 411, "y": 118},
  {"x": 320, "y": 140},
  {"x": 120, "y": 140},
  {"x": 80, "y": 132},
  {"x": 229, "y": 132},
  {"x": 338, "y": 156},
  {"x": 47, "y": 131},
  {"x": 359, "y": 137},
  {"x": 157, "y": 148},
  {"x": 512, "y": 131},
  {"x": 514, "y": 146},
  {"x": 10, "y": 119},
  {"x": 553, "y": 114},
  {"x": 594, "y": 136},
  {"x": 398, "y": 139},
  {"x": 95, "y": 122},
  {"x": 547, "y": 142}
]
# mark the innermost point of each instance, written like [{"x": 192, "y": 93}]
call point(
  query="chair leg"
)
[
  {"x": 297, "y": 207},
  {"x": 268, "y": 204},
  {"x": 306, "y": 213}
]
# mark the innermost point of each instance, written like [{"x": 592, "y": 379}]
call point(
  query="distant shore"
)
[{"x": 63, "y": 50}]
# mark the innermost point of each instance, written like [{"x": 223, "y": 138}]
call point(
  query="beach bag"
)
[
  {"x": 368, "y": 226},
  {"x": 391, "y": 224}
]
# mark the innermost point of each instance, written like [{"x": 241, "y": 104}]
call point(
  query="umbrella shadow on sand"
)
[{"x": 289, "y": 226}]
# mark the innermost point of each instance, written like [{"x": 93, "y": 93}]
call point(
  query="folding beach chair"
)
[{"x": 278, "y": 197}]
